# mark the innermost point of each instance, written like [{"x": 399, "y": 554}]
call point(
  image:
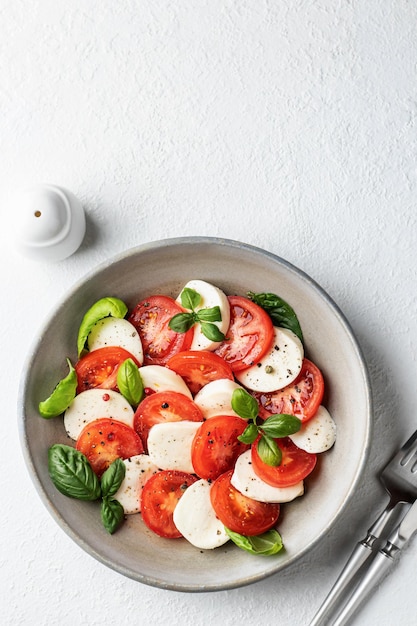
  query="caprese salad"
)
[{"x": 201, "y": 413}]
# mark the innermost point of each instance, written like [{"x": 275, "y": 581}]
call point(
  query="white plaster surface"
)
[{"x": 287, "y": 124}]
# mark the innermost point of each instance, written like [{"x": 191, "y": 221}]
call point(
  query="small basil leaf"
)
[
  {"x": 244, "y": 404},
  {"x": 62, "y": 395},
  {"x": 72, "y": 474},
  {"x": 211, "y": 331},
  {"x": 209, "y": 315},
  {"x": 112, "y": 478},
  {"x": 269, "y": 451},
  {"x": 267, "y": 544},
  {"x": 129, "y": 382},
  {"x": 249, "y": 434},
  {"x": 281, "y": 425},
  {"x": 181, "y": 322},
  {"x": 113, "y": 307},
  {"x": 112, "y": 515},
  {"x": 280, "y": 312},
  {"x": 190, "y": 299}
]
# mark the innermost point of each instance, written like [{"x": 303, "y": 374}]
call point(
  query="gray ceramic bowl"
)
[{"x": 164, "y": 267}]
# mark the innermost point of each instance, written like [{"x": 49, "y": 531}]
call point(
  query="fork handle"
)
[
  {"x": 361, "y": 553},
  {"x": 376, "y": 572}
]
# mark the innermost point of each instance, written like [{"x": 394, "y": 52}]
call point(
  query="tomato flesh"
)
[
  {"x": 160, "y": 496},
  {"x": 151, "y": 317},
  {"x": 238, "y": 512},
  {"x": 301, "y": 398},
  {"x": 216, "y": 447},
  {"x": 249, "y": 336},
  {"x": 296, "y": 464},
  {"x": 99, "y": 368},
  {"x": 104, "y": 440},
  {"x": 164, "y": 406},
  {"x": 198, "y": 368}
]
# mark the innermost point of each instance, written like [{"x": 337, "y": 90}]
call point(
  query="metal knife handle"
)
[
  {"x": 362, "y": 552},
  {"x": 373, "y": 576}
]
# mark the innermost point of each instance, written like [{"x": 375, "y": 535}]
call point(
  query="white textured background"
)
[{"x": 288, "y": 124}]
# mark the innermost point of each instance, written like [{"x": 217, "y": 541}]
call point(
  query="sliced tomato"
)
[
  {"x": 164, "y": 406},
  {"x": 295, "y": 465},
  {"x": 216, "y": 447},
  {"x": 104, "y": 440},
  {"x": 238, "y": 512},
  {"x": 249, "y": 336},
  {"x": 301, "y": 398},
  {"x": 151, "y": 317},
  {"x": 99, "y": 368},
  {"x": 160, "y": 496},
  {"x": 198, "y": 368}
]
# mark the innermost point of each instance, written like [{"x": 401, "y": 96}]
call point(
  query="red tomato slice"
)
[
  {"x": 216, "y": 447},
  {"x": 104, "y": 440},
  {"x": 249, "y": 336},
  {"x": 160, "y": 496},
  {"x": 150, "y": 317},
  {"x": 295, "y": 465},
  {"x": 198, "y": 368},
  {"x": 99, "y": 368},
  {"x": 301, "y": 398},
  {"x": 238, "y": 512},
  {"x": 164, "y": 406}
]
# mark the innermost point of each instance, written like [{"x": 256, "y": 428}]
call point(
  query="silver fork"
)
[{"x": 399, "y": 477}]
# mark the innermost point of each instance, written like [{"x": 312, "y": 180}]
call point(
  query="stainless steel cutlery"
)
[{"x": 370, "y": 561}]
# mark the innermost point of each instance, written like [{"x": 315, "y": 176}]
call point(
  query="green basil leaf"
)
[
  {"x": 129, "y": 382},
  {"x": 281, "y": 313},
  {"x": 112, "y": 515},
  {"x": 281, "y": 425},
  {"x": 244, "y": 404},
  {"x": 181, "y": 322},
  {"x": 72, "y": 474},
  {"x": 209, "y": 315},
  {"x": 112, "y": 478},
  {"x": 106, "y": 307},
  {"x": 249, "y": 434},
  {"x": 190, "y": 298},
  {"x": 211, "y": 331},
  {"x": 267, "y": 544},
  {"x": 269, "y": 451},
  {"x": 62, "y": 395}
]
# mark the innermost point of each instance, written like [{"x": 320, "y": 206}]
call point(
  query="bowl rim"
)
[{"x": 98, "y": 269}]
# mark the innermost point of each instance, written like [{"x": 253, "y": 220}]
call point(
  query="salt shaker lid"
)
[{"x": 49, "y": 222}]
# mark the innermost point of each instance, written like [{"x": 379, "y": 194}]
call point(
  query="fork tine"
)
[
  {"x": 403, "y": 454},
  {"x": 408, "y": 449}
]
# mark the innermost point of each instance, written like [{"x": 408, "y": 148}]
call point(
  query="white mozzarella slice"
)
[
  {"x": 249, "y": 484},
  {"x": 211, "y": 296},
  {"x": 318, "y": 434},
  {"x": 279, "y": 367},
  {"x": 92, "y": 404},
  {"x": 114, "y": 331},
  {"x": 196, "y": 520},
  {"x": 215, "y": 398},
  {"x": 139, "y": 469},
  {"x": 169, "y": 445},
  {"x": 159, "y": 378}
]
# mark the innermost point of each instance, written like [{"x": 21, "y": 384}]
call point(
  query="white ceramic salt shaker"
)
[{"x": 49, "y": 222}]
